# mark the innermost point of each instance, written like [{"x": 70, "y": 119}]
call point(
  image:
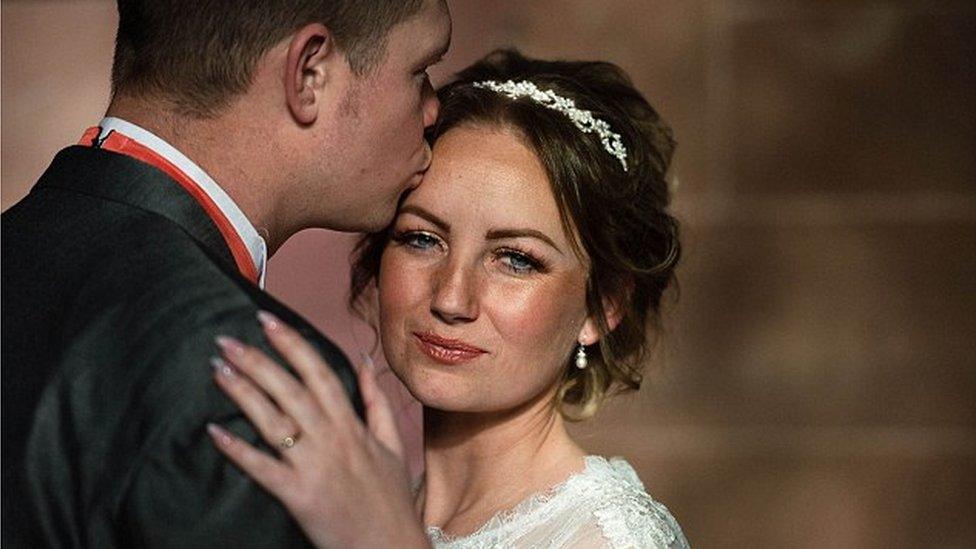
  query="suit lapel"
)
[{"x": 119, "y": 178}]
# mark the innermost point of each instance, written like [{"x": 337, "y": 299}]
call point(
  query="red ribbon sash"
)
[{"x": 116, "y": 142}]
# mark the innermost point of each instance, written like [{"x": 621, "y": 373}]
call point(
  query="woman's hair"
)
[{"x": 617, "y": 218}]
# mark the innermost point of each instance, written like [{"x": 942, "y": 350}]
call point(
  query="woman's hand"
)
[{"x": 344, "y": 482}]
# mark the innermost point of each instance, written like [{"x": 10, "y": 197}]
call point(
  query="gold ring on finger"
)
[{"x": 288, "y": 441}]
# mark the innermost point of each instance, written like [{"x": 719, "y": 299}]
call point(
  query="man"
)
[{"x": 232, "y": 126}]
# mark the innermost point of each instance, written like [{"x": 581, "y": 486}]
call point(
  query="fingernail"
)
[
  {"x": 269, "y": 321},
  {"x": 221, "y": 366},
  {"x": 219, "y": 434},
  {"x": 368, "y": 362},
  {"x": 230, "y": 345}
]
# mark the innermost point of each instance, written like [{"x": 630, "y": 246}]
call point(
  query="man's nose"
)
[
  {"x": 432, "y": 106},
  {"x": 428, "y": 155}
]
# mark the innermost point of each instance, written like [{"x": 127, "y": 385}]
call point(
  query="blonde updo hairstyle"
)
[{"x": 618, "y": 220}]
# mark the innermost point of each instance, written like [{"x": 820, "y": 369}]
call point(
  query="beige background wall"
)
[{"x": 816, "y": 384}]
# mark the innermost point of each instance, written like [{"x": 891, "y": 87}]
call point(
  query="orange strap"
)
[{"x": 116, "y": 142}]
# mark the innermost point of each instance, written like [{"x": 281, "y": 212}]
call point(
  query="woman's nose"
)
[{"x": 455, "y": 297}]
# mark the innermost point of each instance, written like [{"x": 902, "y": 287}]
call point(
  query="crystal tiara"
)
[{"x": 583, "y": 119}]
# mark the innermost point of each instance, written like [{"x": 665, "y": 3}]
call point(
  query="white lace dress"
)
[{"x": 603, "y": 506}]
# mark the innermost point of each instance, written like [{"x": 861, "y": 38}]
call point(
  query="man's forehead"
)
[
  {"x": 423, "y": 38},
  {"x": 439, "y": 24}
]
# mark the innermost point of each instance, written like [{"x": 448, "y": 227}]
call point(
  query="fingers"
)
[
  {"x": 271, "y": 474},
  {"x": 379, "y": 414},
  {"x": 270, "y": 422},
  {"x": 286, "y": 391},
  {"x": 314, "y": 371}
]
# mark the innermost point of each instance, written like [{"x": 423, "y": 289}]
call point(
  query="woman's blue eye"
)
[
  {"x": 519, "y": 262},
  {"x": 421, "y": 241}
]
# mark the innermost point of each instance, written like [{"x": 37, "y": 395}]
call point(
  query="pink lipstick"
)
[{"x": 446, "y": 351}]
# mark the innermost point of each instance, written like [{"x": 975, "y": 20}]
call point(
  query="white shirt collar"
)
[{"x": 255, "y": 244}]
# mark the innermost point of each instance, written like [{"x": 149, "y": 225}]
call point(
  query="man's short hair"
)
[{"x": 199, "y": 54}]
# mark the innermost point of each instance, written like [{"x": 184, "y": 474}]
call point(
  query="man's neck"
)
[
  {"x": 220, "y": 147},
  {"x": 477, "y": 465}
]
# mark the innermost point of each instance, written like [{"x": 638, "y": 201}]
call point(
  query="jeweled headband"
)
[{"x": 582, "y": 119}]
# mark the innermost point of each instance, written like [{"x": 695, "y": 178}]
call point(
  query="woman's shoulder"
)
[
  {"x": 604, "y": 505},
  {"x": 625, "y": 513}
]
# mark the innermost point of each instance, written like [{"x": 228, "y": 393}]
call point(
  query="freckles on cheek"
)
[
  {"x": 394, "y": 284},
  {"x": 401, "y": 287},
  {"x": 536, "y": 318}
]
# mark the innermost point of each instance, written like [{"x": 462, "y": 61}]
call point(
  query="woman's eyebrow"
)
[
  {"x": 421, "y": 212},
  {"x": 496, "y": 234}
]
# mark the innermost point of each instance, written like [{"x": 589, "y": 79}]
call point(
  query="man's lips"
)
[{"x": 447, "y": 351}]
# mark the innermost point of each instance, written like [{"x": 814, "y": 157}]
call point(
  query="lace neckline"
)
[{"x": 537, "y": 501}]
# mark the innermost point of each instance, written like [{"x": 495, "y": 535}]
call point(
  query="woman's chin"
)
[
  {"x": 440, "y": 394},
  {"x": 459, "y": 390}
]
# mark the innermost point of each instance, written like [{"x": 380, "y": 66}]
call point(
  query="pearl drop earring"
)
[{"x": 581, "y": 357}]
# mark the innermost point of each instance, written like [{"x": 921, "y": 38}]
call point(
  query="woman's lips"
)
[{"x": 446, "y": 351}]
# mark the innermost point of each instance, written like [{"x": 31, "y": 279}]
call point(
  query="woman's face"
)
[{"x": 482, "y": 298}]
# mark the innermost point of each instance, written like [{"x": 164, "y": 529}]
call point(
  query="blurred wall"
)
[{"x": 816, "y": 383}]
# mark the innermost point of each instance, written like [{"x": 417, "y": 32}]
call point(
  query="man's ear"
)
[
  {"x": 612, "y": 312},
  {"x": 306, "y": 70}
]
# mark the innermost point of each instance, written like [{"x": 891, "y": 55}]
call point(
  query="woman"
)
[{"x": 512, "y": 293}]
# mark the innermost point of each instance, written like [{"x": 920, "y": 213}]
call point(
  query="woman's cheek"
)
[
  {"x": 532, "y": 320},
  {"x": 401, "y": 280},
  {"x": 401, "y": 289}
]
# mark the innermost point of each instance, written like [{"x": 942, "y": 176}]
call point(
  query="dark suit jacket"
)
[{"x": 115, "y": 282}]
